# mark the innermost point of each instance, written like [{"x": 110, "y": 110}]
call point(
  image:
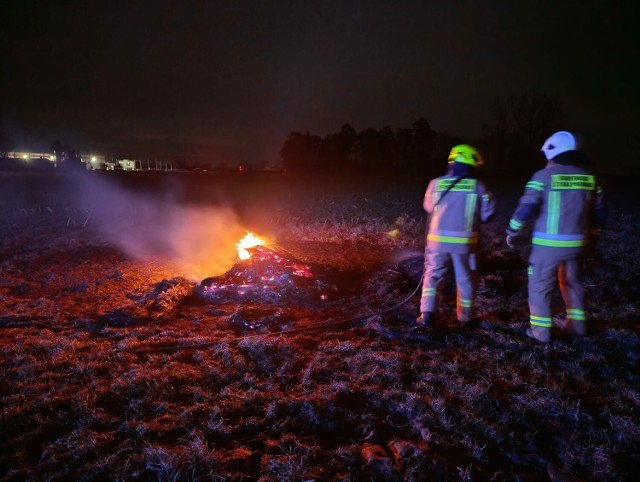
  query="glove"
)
[{"x": 510, "y": 242}]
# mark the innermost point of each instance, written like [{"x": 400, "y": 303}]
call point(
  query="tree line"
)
[
  {"x": 517, "y": 127},
  {"x": 514, "y": 131},
  {"x": 383, "y": 151}
]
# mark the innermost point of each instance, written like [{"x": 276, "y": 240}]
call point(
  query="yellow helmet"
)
[{"x": 466, "y": 154}]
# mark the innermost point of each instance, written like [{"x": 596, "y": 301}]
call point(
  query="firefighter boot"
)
[
  {"x": 424, "y": 319},
  {"x": 574, "y": 328},
  {"x": 539, "y": 333}
]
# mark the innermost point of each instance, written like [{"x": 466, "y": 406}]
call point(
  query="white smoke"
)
[{"x": 198, "y": 240}]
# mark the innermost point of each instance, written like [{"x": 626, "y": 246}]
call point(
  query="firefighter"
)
[
  {"x": 564, "y": 202},
  {"x": 456, "y": 204}
]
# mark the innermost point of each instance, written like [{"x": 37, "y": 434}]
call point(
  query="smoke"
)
[{"x": 199, "y": 241}]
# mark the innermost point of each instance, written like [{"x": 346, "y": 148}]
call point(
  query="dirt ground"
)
[{"x": 117, "y": 366}]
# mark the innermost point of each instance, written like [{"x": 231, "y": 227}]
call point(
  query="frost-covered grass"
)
[{"x": 349, "y": 402}]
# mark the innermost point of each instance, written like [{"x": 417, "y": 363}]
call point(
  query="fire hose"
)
[{"x": 315, "y": 326}]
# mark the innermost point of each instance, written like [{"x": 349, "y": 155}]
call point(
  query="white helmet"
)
[{"x": 558, "y": 143}]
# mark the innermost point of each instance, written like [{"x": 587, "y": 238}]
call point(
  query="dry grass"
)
[{"x": 349, "y": 402}]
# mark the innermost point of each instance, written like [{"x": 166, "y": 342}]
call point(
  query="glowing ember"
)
[
  {"x": 266, "y": 275},
  {"x": 249, "y": 241}
]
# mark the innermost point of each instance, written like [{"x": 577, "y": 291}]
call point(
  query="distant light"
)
[
  {"x": 93, "y": 158},
  {"x": 24, "y": 156}
]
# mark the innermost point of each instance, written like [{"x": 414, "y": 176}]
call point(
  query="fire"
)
[
  {"x": 263, "y": 274},
  {"x": 249, "y": 241}
]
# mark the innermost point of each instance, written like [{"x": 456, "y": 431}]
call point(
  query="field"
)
[{"x": 115, "y": 365}]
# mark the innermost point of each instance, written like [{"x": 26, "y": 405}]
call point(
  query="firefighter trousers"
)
[
  {"x": 436, "y": 267},
  {"x": 544, "y": 276}
]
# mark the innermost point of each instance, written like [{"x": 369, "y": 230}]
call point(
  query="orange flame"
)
[{"x": 249, "y": 241}]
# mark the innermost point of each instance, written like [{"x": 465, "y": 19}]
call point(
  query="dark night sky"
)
[{"x": 228, "y": 80}]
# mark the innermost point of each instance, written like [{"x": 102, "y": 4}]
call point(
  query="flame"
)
[{"x": 249, "y": 241}]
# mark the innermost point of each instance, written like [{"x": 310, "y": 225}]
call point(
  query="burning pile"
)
[{"x": 266, "y": 275}]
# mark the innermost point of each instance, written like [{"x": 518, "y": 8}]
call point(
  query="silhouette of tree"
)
[
  {"x": 74, "y": 157},
  {"x": 338, "y": 150},
  {"x": 58, "y": 150},
  {"x": 301, "y": 152},
  {"x": 383, "y": 151},
  {"x": 391, "y": 155},
  {"x": 423, "y": 145},
  {"x": 403, "y": 150},
  {"x": 66, "y": 156},
  {"x": 375, "y": 149},
  {"x": 519, "y": 125}
]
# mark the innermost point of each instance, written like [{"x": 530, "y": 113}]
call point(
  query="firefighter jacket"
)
[
  {"x": 566, "y": 206},
  {"x": 456, "y": 205}
]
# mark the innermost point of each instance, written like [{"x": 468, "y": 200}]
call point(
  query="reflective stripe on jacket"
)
[
  {"x": 456, "y": 212},
  {"x": 564, "y": 197}
]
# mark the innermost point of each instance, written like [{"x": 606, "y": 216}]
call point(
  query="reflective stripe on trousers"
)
[
  {"x": 436, "y": 267},
  {"x": 544, "y": 276}
]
